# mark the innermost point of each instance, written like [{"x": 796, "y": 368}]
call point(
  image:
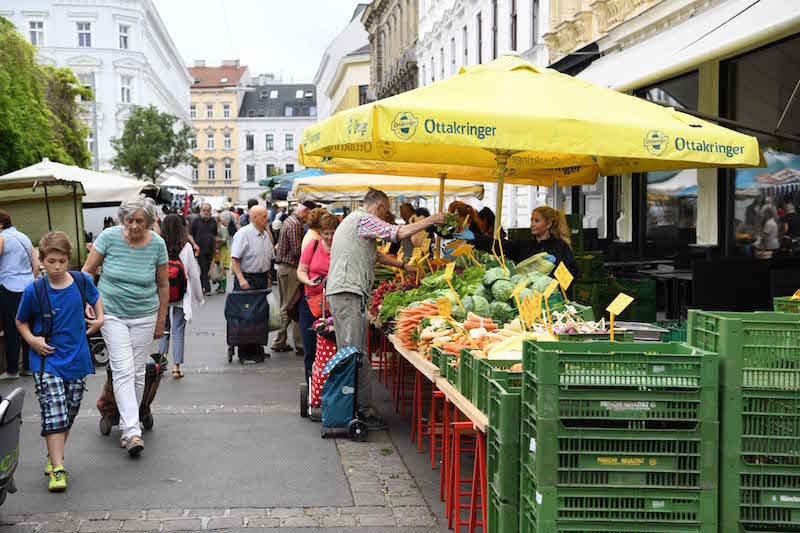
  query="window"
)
[
  {"x": 86, "y": 81},
  {"x": 125, "y": 89},
  {"x": 123, "y": 37},
  {"x": 37, "y": 32},
  {"x": 209, "y": 110},
  {"x": 193, "y": 142},
  {"x": 193, "y": 111},
  {"x": 84, "y": 34},
  {"x": 288, "y": 111},
  {"x": 273, "y": 94},
  {"x": 494, "y": 29},
  {"x": 211, "y": 171},
  {"x": 479, "y": 37},
  {"x": 227, "y": 171},
  {"x": 465, "y": 41},
  {"x": 270, "y": 144},
  {"x": 195, "y": 172},
  {"x": 289, "y": 141},
  {"x": 264, "y": 94},
  {"x": 90, "y": 143},
  {"x": 210, "y": 141},
  {"x": 534, "y": 22},
  {"x": 251, "y": 173},
  {"x": 298, "y": 94},
  {"x": 226, "y": 110},
  {"x": 452, "y": 55},
  {"x": 249, "y": 142},
  {"x": 424, "y": 76},
  {"x": 513, "y": 24},
  {"x": 251, "y": 112},
  {"x": 270, "y": 170},
  {"x": 289, "y": 168},
  {"x": 227, "y": 144},
  {"x": 441, "y": 63}
]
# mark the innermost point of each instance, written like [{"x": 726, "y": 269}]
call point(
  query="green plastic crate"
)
[
  {"x": 584, "y": 311},
  {"x": 503, "y": 517},
  {"x": 591, "y": 266},
  {"x": 760, "y": 498},
  {"x": 451, "y": 372},
  {"x": 436, "y": 356},
  {"x": 785, "y": 304},
  {"x": 676, "y": 328},
  {"x": 502, "y": 441},
  {"x": 489, "y": 369},
  {"x": 757, "y": 350},
  {"x": 466, "y": 373}
]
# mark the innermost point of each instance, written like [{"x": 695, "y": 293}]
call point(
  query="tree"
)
[
  {"x": 29, "y": 128},
  {"x": 151, "y": 144}
]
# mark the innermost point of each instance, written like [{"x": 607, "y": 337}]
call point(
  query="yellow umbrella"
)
[
  {"x": 349, "y": 187},
  {"x": 509, "y": 114}
]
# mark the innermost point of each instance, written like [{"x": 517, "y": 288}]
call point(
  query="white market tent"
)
[
  {"x": 174, "y": 182},
  {"x": 100, "y": 187},
  {"x": 345, "y": 187}
]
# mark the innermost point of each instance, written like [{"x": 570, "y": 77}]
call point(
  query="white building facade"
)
[
  {"x": 456, "y": 33},
  {"x": 123, "y": 45},
  {"x": 271, "y": 122}
]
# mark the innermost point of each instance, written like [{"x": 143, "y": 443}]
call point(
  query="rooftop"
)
[
  {"x": 280, "y": 100},
  {"x": 226, "y": 75}
]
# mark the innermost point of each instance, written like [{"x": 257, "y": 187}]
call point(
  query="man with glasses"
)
[{"x": 353, "y": 254}]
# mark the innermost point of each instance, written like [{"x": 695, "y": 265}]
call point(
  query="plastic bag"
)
[
  {"x": 535, "y": 263},
  {"x": 215, "y": 272},
  {"x": 274, "y": 311}
]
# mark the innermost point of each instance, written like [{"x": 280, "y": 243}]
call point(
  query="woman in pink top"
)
[{"x": 315, "y": 261}]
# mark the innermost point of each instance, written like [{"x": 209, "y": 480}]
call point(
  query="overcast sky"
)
[{"x": 285, "y": 37}]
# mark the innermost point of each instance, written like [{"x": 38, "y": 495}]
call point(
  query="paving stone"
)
[
  {"x": 321, "y": 511},
  {"x": 182, "y": 524},
  {"x": 20, "y": 528},
  {"x": 164, "y": 513},
  {"x": 96, "y": 526},
  {"x": 261, "y": 521},
  {"x": 373, "y": 486},
  {"x": 286, "y": 512},
  {"x": 44, "y": 518},
  {"x": 367, "y": 510},
  {"x": 406, "y": 501},
  {"x": 203, "y": 513},
  {"x": 368, "y": 498},
  {"x": 416, "y": 521},
  {"x": 338, "y": 521},
  {"x": 299, "y": 521},
  {"x": 62, "y": 526},
  {"x": 141, "y": 525},
  {"x": 225, "y": 522},
  {"x": 89, "y": 515},
  {"x": 411, "y": 511},
  {"x": 376, "y": 521},
  {"x": 11, "y": 519},
  {"x": 126, "y": 514},
  {"x": 248, "y": 511}
]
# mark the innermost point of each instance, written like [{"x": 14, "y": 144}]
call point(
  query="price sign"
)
[
  {"x": 385, "y": 247},
  {"x": 530, "y": 311},
  {"x": 400, "y": 255},
  {"x": 426, "y": 243},
  {"x": 563, "y": 276},
  {"x": 536, "y": 305},
  {"x": 796, "y": 295},
  {"x": 448, "y": 272},
  {"x": 445, "y": 308},
  {"x": 464, "y": 249},
  {"x": 619, "y": 304},
  {"x": 519, "y": 288},
  {"x": 550, "y": 289},
  {"x": 455, "y": 244},
  {"x": 416, "y": 255}
]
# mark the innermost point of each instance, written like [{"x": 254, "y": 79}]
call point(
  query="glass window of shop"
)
[
  {"x": 671, "y": 196},
  {"x": 756, "y": 90}
]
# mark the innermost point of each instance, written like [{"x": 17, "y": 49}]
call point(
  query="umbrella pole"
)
[
  {"x": 77, "y": 226},
  {"x": 442, "y": 177},
  {"x": 47, "y": 205},
  {"x": 502, "y": 160}
]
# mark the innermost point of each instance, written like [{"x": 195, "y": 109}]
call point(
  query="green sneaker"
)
[
  {"x": 48, "y": 469},
  {"x": 58, "y": 480}
]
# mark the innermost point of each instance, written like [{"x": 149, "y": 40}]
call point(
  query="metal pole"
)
[
  {"x": 77, "y": 226},
  {"x": 96, "y": 143},
  {"x": 47, "y": 205},
  {"x": 442, "y": 177},
  {"x": 502, "y": 160}
]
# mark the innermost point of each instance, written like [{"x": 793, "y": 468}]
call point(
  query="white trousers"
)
[{"x": 128, "y": 341}]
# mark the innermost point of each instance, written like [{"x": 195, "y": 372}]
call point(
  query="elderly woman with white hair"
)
[{"x": 135, "y": 288}]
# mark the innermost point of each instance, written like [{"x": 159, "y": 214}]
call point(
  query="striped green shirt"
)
[{"x": 128, "y": 279}]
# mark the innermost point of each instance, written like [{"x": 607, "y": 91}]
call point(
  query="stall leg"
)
[
  {"x": 436, "y": 431},
  {"x": 445, "y": 470},
  {"x": 461, "y": 432},
  {"x": 416, "y": 413},
  {"x": 479, "y": 487}
]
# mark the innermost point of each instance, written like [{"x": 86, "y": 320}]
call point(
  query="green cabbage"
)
[
  {"x": 492, "y": 275},
  {"x": 502, "y": 289},
  {"x": 480, "y": 306},
  {"x": 482, "y": 292},
  {"x": 501, "y": 312},
  {"x": 467, "y": 302},
  {"x": 516, "y": 279}
]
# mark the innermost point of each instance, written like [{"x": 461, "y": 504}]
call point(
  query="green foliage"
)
[
  {"x": 151, "y": 144},
  {"x": 38, "y": 111},
  {"x": 276, "y": 171}
]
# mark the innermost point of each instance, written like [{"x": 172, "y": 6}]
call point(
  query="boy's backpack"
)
[
  {"x": 40, "y": 288},
  {"x": 177, "y": 280}
]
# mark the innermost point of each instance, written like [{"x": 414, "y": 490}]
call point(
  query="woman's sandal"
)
[{"x": 177, "y": 374}]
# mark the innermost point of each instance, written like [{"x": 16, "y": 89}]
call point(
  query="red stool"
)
[
  {"x": 479, "y": 486},
  {"x": 461, "y": 432},
  {"x": 444, "y": 473},
  {"x": 436, "y": 431}
]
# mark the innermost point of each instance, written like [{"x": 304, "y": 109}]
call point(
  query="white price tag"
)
[{"x": 533, "y": 445}]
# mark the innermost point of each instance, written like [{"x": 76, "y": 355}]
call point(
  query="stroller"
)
[
  {"x": 107, "y": 404},
  {"x": 247, "y": 316},
  {"x": 340, "y": 395},
  {"x": 10, "y": 422}
]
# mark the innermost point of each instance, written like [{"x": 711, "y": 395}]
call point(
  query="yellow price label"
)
[
  {"x": 455, "y": 244},
  {"x": 519, "y": 288},
  {"x": 796, "y": 295},
  {"x": 464, "y": 249},
  {"x": 400, "y": 255},
  {"x": 385, "y": 247},
  {"x": 416, "y": 255},
  {"x": 536, "y": 304},
  {"x": 526, "y": 311},
  {"x": 448, "y": 272},
  {"x": 426, "y": 243},
  {"x": 619, "y": 304},
  {"x": 444, "y": 305},
  {"x": 563, "y": 276},
  {"x": 550, "y": 289}
]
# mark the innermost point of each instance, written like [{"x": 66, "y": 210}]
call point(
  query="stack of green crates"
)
[
  {"x": 676, "y": 328},
  {"x": 618, "y": 437},
  {"x": 785, "y": 304},
  {"x": 759, "y": 416},
  {"x": 502, "y": 456},
  {"x": 487, "y": 370}
]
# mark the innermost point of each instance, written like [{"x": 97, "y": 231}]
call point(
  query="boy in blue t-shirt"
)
[{"x": 59, "y": 351}]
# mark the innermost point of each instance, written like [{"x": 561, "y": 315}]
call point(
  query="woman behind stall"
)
[
  {"x": 551, "y": 234},
  {"x": 462, "y": 211}
]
